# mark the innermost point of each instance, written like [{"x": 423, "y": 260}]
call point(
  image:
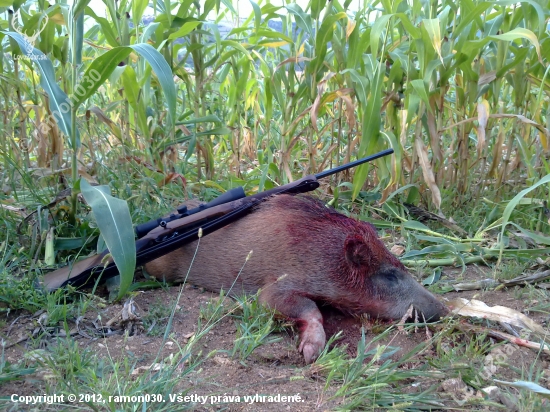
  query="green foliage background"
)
[{"x": 166, "y": 105}]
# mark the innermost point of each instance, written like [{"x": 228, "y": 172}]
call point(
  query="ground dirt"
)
[{"x": 276, "y": 368}]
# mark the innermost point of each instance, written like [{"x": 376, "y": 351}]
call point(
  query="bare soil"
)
[{"x": 272, "y": 369}]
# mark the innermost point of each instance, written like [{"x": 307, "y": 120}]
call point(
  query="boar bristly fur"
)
[{"x": 304, "y": 253}]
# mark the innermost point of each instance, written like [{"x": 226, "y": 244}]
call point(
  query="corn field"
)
[{"x": 165, "y": 103}]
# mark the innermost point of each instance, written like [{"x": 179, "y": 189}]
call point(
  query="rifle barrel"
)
[{"x": 353, "y": 164}]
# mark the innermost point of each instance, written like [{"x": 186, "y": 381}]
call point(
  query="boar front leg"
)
[{"x": 305, "y": 313}]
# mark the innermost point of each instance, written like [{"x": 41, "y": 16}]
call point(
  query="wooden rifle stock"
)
[{"x": 178, "y": 232}]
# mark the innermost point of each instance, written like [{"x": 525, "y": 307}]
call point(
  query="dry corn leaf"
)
[
  {"x": 427, "y": 171},
  {"x": 435, "y": 139},
  {"x": 480, "y": 284},
  {"x": 483, "y": 115},
  {"x": 350, "y": 28},
  {"x": 497, "y": 334},
  {"x": 321, "y": 86},
  {"x": 294, "y": 59},
  {"x": 519, "y": 117},
  {"x": 397, "y": 250},
  {"x": 155, "y": 367},
  {"x": 479, "y": 309}
]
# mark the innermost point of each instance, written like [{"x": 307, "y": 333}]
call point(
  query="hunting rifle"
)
[{"x": 166, "y": 234}]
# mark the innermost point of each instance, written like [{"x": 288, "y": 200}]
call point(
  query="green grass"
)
[
  {"x": 511, "y": 269},
  {"x": 375, "y": 378},
  {"x": 72, "y": 369},
  {"x": 157, "y": 316},
  {"x": 255, "y": 326}
]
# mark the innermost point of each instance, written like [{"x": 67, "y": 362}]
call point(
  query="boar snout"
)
[
  {"x": 429, "y": 308},
  {"x": 396, "y": 291}
]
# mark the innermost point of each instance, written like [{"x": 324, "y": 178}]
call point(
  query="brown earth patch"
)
[{"x": 272, "y": 369}]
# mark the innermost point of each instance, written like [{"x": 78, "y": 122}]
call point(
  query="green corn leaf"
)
[
  {"x": 79, "y": 6},
  {"x": 268, "y": 99},
  {"x": 138, "y": 7},
  {"x": 131, "y": 91},
  {"x": 257, "y": 15},
  {"x": 376, "y": 32},
  {"x": 473, "y": 46},
  {"x": 395, "y": 163},
  {"x": 49, "y": 253},
  {"x": 361, "y": 84},
  {"x": 210, "y": 118},
  {"x": 47, "y": 37},
  {"x": 434, "y": 33},
  {"x": 433, "y": 278},
  {"x": 540, "y": 239},
  {"x": 184, "y": 30},
  {"x": 148, "y": 32},
  {"x": 400, "y": 190},
  {"x": 416, "y": 225},
  {"x": 323, "y": 37},
  {"x": 541, "y": 14},
  {"x": 98, "y": 72},
  {"x": 370, "y": 125},
  {"x": 78, "y": 27},
  {"x": 410, "y": 28},
  {"x": 434, "y": 64},
  {"x": 355, "y": 46},
  {"x": 302, "y": 19},
  {"x": 60, "y": 104},
  {"x": 113, "y": 219},
  {"x": 192, "y": 138},
  {"x": 216, "y": 131},
  {"x": 420, "y": 89},
  {"x": 317, "y": 6},
  {"x": 472, "y": 15},
  {"x": 520, "y": 33},
  {"x": 433, "y": 239},
  {"x": 270, "y": 34},
  {"x": 512, "y": 205},
  {"x": 106, "y": 28},
  {"x": 236, "y": 45},
  {"x": 71, "y": 243},
  {"x": 164, "y": 75},
  {"x": 102, "y": 67}
]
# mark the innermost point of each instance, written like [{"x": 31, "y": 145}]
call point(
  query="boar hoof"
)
[{"x": 312, "y": 341}]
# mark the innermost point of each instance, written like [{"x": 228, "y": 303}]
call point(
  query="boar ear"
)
[{"x": 357, "y": 251}]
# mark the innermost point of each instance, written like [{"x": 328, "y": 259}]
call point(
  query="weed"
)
[
  {"x": 157, "y": 316},
  {"x": 12, "y": 372},
  {"x": 510, "y": 269},
  {"x": 255, "y": 324},
  {"x": 71, "y": 369},
  {"x": 214, "y": 310},
  {"x": 462, "y": 355},
  {"x": 370, "y": 379}
]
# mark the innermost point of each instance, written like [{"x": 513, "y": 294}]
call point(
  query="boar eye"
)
[{"x": 391, "y": 278}]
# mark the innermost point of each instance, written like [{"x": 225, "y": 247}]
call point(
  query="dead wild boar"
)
[{"x": 304, "y": 253}]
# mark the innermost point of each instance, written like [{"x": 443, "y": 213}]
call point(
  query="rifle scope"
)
[{"x": 229, "y": 196}]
